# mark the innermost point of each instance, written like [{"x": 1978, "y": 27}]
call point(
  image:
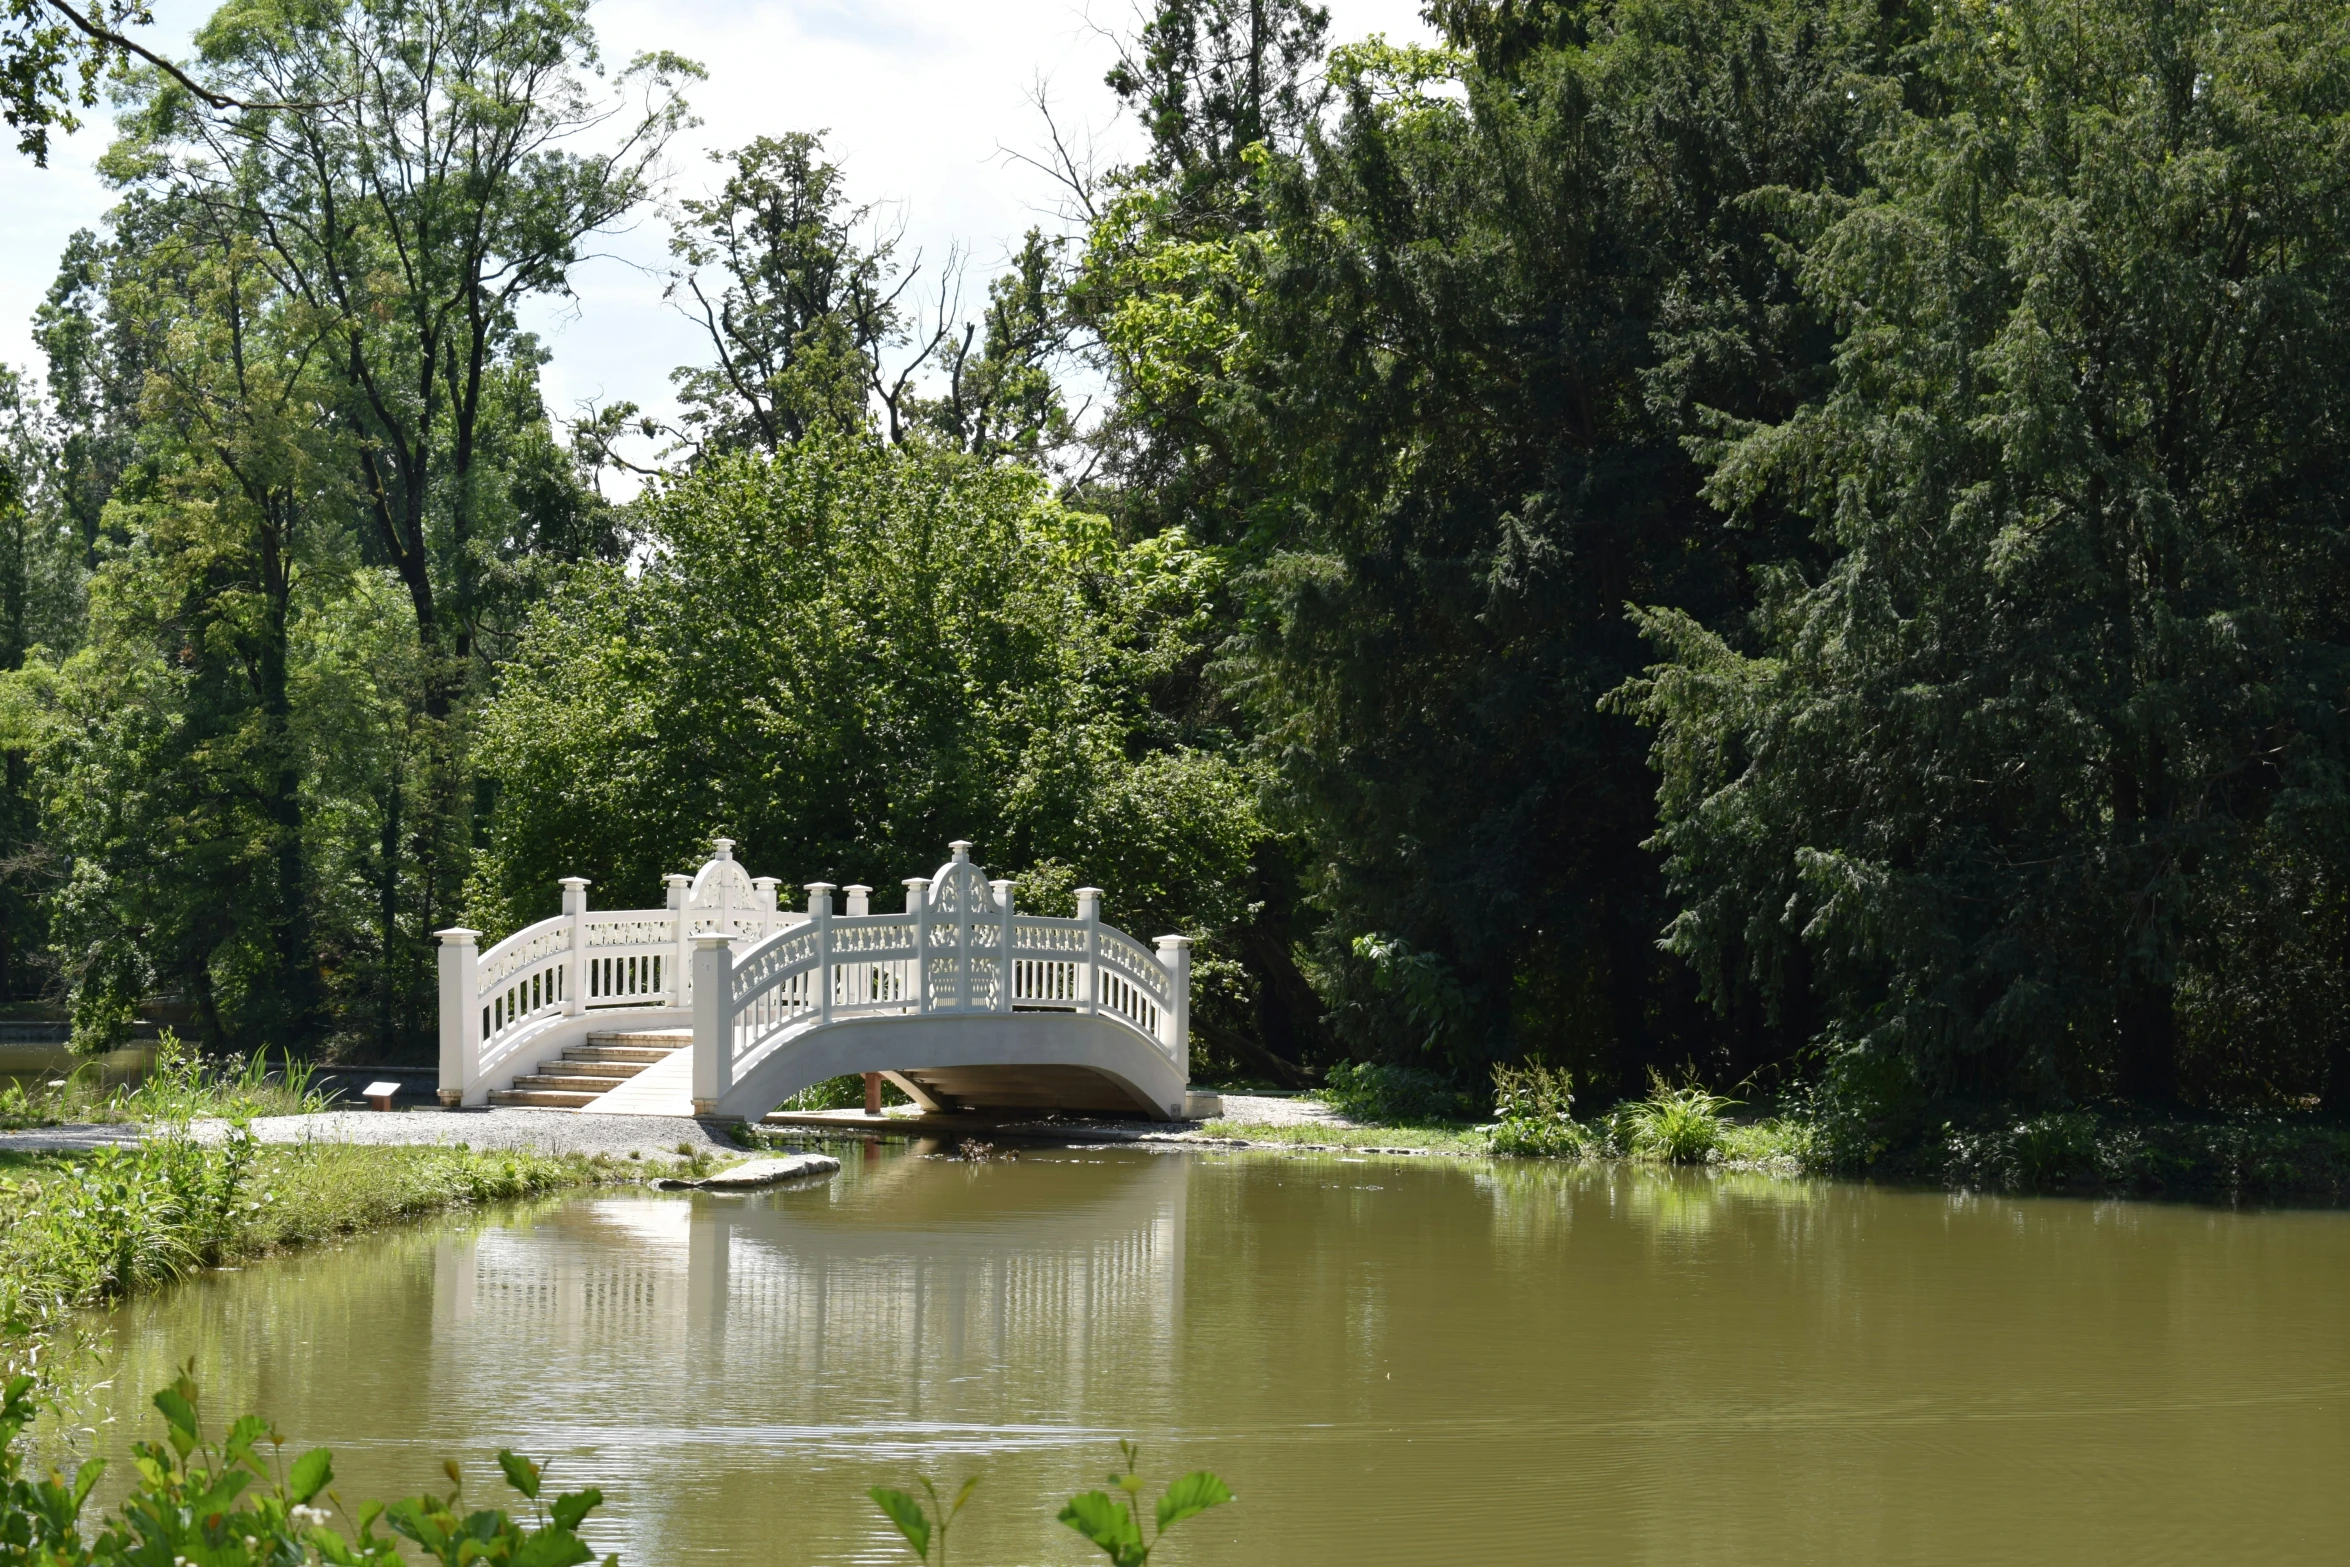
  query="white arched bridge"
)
[{"x": 723, "y": 1005}]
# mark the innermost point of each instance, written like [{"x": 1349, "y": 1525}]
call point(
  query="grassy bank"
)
[
  {"x": 2239, "y": 1156},
  {"x": 78, "y": 1230}
]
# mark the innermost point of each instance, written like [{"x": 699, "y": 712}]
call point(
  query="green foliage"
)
[
  {"x": 181, "y": 1086},
  {"x": 1534, "y": 1113},
  {"x": 2022, "y": 781},
  {"x": 1681, "y": 1125},
  {"x": 1115, "y": 1523},
  {"x": 230, "y": 1502},
  {"x": 845, "y": 656},
  {"x": 797, "y": 309},
  {"x": 923, "y": 1529},
  {"x": 1374, "y": 1091},
  {"x": 1439, "y": 369},
  {"x": 843, "y": 1093}
]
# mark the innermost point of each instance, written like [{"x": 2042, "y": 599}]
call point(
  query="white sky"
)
[{"x": 918, "y": 97}]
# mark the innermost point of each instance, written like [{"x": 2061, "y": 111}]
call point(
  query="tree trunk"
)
[
  {"x": 2148, "y": 1024},
  {"x": 299, "y": 1001},
  {"x": 2337, "y": 1086}
]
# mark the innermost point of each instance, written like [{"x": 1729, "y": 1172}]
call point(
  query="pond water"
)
[{"x": 1391, "y": 1361}]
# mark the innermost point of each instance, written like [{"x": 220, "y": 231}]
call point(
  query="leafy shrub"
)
[
  {"x": 1372, "y": 1091},
  {"x": 846, "y": 1092},
  {"x": 227, "y": 1504},
  {"x": 1533, "y": 1107},
  {"x": 1675, "y": 1125}
]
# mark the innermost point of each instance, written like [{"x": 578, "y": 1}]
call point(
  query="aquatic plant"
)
[
  {"x": 1675, "y": 1125},
  {"x": 1114, "y": 1523}
]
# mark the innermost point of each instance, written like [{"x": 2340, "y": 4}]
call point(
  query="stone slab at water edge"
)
[{"x": 760, "y": 1172}]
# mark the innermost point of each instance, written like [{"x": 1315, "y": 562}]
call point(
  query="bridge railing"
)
[
  {"x": 960, "y": 947},
  {"x": 948, "y": 952}
]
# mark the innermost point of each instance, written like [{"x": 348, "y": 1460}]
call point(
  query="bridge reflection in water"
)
[{"x": 894, "y": 1307}]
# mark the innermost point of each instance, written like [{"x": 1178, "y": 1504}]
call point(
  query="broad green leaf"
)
[
  {"x": 177, "y": 1411},
  {"x": 906, "y": 1512},
  {"x": 553, "y": 1548},
  {"x": 84, "y": 1478},
  {"x": 1107, "y": 1524},
  {"x": 419, "y": 1521},
  {"x": 310, "y": 1474},
  {"x": 248, "y": 1430},
  {"x": 1195, "y": 1493},
  {"x": 521, "y": 1473},
  {"x": 572, "y": 1506}
]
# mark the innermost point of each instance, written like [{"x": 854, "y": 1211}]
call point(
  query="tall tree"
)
[
  {"x": 799, "y": 298},
  {"x": 95, "y": 377},
  {"x": 1440, "y": 407},
  {"x": 412, "y": 172},
  {"x": 442, "y": 171}
]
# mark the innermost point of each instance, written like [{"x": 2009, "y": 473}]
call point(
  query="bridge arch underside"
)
[{"x": 1031, "y": 1061}]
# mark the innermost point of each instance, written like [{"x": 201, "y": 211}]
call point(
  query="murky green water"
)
[{"x": 1398, "y": 1361}]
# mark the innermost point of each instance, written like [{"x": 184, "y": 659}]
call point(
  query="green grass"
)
[
  {"x": 182, "y": 1086},
  {"x": 1777, "y": 1143},
  {"x": 1304, "y": 1134}
]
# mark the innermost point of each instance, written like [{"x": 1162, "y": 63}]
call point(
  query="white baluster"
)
[
  {"x": 763, "y": 889},
  {"x": 1089, "y": 909},
  {"x": 1175, "y": 1021},
  {"x": 1003, "y": 902},
  {"x": 460, "y": 1013},
  {"x": 960, "y": 849},
  {"x": 681, "y": 946},
  {"x": 918, "y": 908},
  {"x": 575, "y": 965},
  {"x": 713, "y": 1047},
  {"x": 820, "y": 915}
]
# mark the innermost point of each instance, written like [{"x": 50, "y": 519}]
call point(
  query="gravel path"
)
[
  {"x": 556, "y": 1131},
  {"x": 548, "y": 1131},
  {"x": 1265, "y": 1110},
  {"x": 67, "y": 1139}
]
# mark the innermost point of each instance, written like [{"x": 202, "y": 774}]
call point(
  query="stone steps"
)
[{"x": 586, "y": 1072}]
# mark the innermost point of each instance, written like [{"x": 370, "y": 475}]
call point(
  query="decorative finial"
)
[
  {"x": 962, "y": 850},
  {"x": 722, "y": 848}
]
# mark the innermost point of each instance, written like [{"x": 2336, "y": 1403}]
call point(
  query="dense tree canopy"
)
[
  {"x": 2046, "y": 760},
  {"x": 1794, "y": 540}
]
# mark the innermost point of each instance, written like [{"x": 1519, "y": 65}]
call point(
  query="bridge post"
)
[
  {"x": 1089, "y": 909},
  {"x": 1003, "y": 902},
  {"x": 763, "y": 888},
  {"x": 682, "y": 940},
  {"x": 460, "y": 1013},
  {"x": 1175, "y": 1022},
  {"x": 918, "y": 905},
  {"x": 820, "y": 916},
  {"x": 713, "y": 1045},
  {"x": 575, "y": 967},
  {"x": 858, "y": 894}
]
